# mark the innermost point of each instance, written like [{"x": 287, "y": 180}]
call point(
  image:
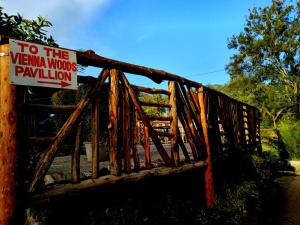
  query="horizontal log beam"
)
[
  {"x": 160, "y": 118},
  {"x": 155, "y": 104},
  {"x": 89, "y": 58},
  {"x": 151, "y": 90},
  {"x": 61, "y": 190},
  {"x": 40, "y": 139},
  {"x": 164, "y": 134},
  {"x": 49, "y": 108}
]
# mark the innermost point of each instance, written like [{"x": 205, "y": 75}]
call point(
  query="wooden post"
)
[
  {"x": 45, "y": 162},
  {"x": 126, "y": 131},
  {"x": 208, "y": 174},
  {"x": 146, "y": 122},
  {"x": 10, "y": 146},
  {"x": 95, "y": 136},
  {"x": 135, "y": 137},
  {"x": 114, "y": 156},
  {"x": 75, "y": 165},
  {"x": 147, "y": 148},
  {"x": 174, "y": 124},
  {"x": 188, "y": 135},
  {"x": 183, "y": 148}
]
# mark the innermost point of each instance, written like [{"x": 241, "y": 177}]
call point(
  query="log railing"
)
[{"x": 214, "y": 124}]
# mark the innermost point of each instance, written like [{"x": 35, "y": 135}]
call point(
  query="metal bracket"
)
[{"x": 4, "y": 54}]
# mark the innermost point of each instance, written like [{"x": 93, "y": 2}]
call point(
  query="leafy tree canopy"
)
[
  {"x": 15, "y": 26},
  {"x": 269, "y": 47}
]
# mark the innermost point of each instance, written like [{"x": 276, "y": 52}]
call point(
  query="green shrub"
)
[{"x": 290, "y": 131}]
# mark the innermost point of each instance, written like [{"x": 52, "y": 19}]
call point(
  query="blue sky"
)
[{"x": 188, "y": 38}]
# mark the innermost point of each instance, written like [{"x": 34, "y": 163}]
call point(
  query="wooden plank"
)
[
  {"x": 155, "y": 104},
  {"x": 95, "y": 136},
  {"x": 126, "y": 131},
  {"x": 146, "y": 122},
  {"x": 75, "y": 162},
  {"x": 115, "y": 163},
  {"x": 174, "y": 125},
  {"x": 146, "y": 144},
  {"x": 34, "y": 108},
  {"x": 151, "y": 90},
  {"x": 208, "y": 174},
  {"x": 61, "y": 190},
  {"x": 45, "y": 162}
]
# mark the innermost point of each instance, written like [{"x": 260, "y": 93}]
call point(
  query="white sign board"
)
[{"x": 39, "y": 65}]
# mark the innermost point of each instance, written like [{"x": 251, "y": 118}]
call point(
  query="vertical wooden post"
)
[
  {"x": 208, "y": 175},
  {"x": 10, "y": 147},
  {"x": 114, "y": 156},
  {"x": 75, "y": 165},
  {"x": 95, "y": 136},
  {"x": 135, "y": 151},
  {"x": 174, "y": 124},
  {"x": 126, "y": 131},
  {"x": 147, "y": 148},
  {"x": 183, "y": 148}
]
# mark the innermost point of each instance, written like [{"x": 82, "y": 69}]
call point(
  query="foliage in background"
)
[
  {"x": 265, "y": 70},
  {"x": 243, "y": 194},
  {"x": 290, "y": 131},
  {"x": 269, "y": 49},
  {"x": 15, "y": 26},
  {"x": 157, "y": 111}
]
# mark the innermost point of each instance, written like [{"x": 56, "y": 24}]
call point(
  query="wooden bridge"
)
[{"x": 214, "y": 124}]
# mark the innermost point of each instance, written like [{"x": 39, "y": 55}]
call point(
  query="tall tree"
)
[
  {"x": 269, "y": 48},
  {"x": 15, "y": 26}
]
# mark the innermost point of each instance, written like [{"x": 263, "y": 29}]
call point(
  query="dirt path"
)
[{"x": 289, "y": 208}]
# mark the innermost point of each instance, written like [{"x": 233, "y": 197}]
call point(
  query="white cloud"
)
[{"x": 67, "y": 16}]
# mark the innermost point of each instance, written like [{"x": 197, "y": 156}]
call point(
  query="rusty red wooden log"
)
[
  {"x": 114, "y": 155},
  {"x": 146, "y": 144},
  {"x": 195, "y": 102},
  {"x": 91, "y": 59},
  {"x": 165, "y": 134},
  {"x": 150, "y": 90},
  {"x": 191, "y": 108},
  {"x": 75, "y": 162},
  {"x": 34, "y": 108},
  {"x": 105, "y": 181},
  {"x": 187, "y": 133},
  {"x": 190, "y": 123},
  {"x": 126, "y": 131},
  {"x": 160, "y": 118},
  {"x": 174, "y": 124},
  {"x": 183, "y": 148},
  {"x": 40, "y": 139},
  {"x": 10, "y": 142},
  {"x": 95, "y": 136},
  {"x": 135, "y": 151},
  {"x": 44, "y": 164},
  {"x": 208, "y": 174},
  {"x": 146, "y": 122},
  {"x": 155, "y": 104}
]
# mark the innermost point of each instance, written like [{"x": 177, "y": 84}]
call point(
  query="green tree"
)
[
  {"x": 15, "y": 26},
  {"x": 269, "y": 49},
  {"x": 158, "y": 111}
]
